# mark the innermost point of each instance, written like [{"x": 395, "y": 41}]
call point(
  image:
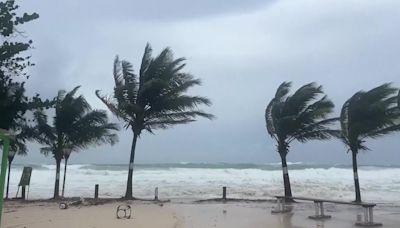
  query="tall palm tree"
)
[
  {"x": 154, "y": 99},
  {"x": 301, "y": 116},
  {"x": 368, "y": 114},
  {"x": 76, "y": 126}
]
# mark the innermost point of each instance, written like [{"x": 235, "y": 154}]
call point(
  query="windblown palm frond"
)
[
  {"x": 300, "y": 116},
  {"x": 370, "y": 114},
  {"x": 155, "y": 99},
  {"x": 75, "y": 125}
]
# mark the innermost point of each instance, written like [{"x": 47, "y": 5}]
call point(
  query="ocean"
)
[{"x": 380, "y": 184}]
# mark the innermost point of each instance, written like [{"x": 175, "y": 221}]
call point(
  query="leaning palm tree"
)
[
  {"x": 76, "y": 126},
  {"x": 368, "y": 114},
  {"x": 154, "y": 99},
  {"x": 301, "y": 116}
]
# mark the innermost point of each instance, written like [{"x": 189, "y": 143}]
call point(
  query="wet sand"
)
[{"x": 190, "y": 215}]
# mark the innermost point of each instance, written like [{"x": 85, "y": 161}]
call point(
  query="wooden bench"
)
[{"x": 319, "y": 209}]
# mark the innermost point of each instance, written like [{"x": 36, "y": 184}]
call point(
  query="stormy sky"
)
[{"x": 242, "y": 51}]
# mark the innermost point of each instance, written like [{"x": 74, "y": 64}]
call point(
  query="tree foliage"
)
[
  {"x": 12, "y": 63},
  {"x": 13, "y": 102},
  {"x": 75, "y": 125},
  {"x": 369, "y": 114},
  {"x": 155, "y": 98},
  {"x": 301, "y": 116},
  {"x": 398, "y": 100}
]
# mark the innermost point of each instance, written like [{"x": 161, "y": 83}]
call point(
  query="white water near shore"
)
[{"x": 199, "y": 181}]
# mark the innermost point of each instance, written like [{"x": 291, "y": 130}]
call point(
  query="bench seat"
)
[{"x": 319, "y": 208}]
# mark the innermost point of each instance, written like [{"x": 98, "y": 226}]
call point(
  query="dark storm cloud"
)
[{"x": 242, "y": 50}]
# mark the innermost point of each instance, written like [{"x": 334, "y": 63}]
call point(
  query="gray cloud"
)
[{"x": 241, "y": 50}]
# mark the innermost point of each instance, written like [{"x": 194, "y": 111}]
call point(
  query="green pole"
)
[{"x": 4, "y": 163}]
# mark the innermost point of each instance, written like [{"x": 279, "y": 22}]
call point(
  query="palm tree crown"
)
[
  {"x": 299, "y": 116},
  {"x": 370, "y": 114},
  {"x": 156, "y": 97},
  {"x": 75, "y": 125}
]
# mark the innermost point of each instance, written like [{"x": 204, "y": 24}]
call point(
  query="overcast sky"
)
[{"x": 242, "y": 51}]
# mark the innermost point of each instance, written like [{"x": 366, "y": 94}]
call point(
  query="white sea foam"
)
[{"x": 378, "y": 184}]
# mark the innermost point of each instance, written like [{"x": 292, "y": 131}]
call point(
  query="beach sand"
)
[{"x": 188, "y": 214}]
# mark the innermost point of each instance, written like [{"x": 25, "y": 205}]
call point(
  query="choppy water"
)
[{"x": 187, "y": 180}]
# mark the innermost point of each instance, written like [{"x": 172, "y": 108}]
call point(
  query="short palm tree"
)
[
  {"x": 76, "y": 126},
  {"x": 154, "y": 99},
  {"x": 301, "y": 116},
  {"x": 368, "y": 114},
  {"x": 17, "y": 146}
]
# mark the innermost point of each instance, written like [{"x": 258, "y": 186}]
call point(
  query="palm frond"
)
[
  {"x": 269, "y": 119},
  {"x": 318, "y": 130},
  {"x": 283, "y": 90},
  {"x": 382, "y": 132},
  {"x": 301, "y": 116},
  {"x": 145, "y": 63},
  {"x": 75, "y": 126},
  {"x": 301, "y": 98},
  {"x": 113, "y": 107},
  {"x": 369, "y": 114},
  {"x": 43, "y": 132},
  {"x": 158, "y": 100}
]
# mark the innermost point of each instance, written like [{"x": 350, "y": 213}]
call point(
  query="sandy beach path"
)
[{"x": 48, "y": 215}]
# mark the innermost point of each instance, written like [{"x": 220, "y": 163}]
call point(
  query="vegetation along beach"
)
[{"x": 183, "y": 114}]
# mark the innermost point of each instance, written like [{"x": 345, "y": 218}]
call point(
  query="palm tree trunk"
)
[
  {"x": 356, "y": 182},
  {"x": 57, "y": 182},
  {"x": 65, "y": 174},
  {"x": 128, "y": 194},
  {"x": 286, "y": 180},
  {"x": 8, "y": 177}
]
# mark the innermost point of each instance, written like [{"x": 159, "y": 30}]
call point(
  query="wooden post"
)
[
  {"x": 156, "y": 193},
  {"x": 96, "y": 192},
  {"x": 224, "y": 193},
  {"x": 23, "y": 193}
]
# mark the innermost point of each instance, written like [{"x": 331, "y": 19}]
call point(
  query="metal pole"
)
[
  {"x": 316, "y": 204},
  {"x": 366, "y": 215},
  {"x": 321, "y": 208},
  {"x": 156, "y": 193},
  {"x": 8, "y": 178},
  {"x": 96, "y": 191},
  {"x": 4, "y": 163}
]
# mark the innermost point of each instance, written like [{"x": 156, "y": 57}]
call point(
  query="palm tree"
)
[
  {"x": 369, "y": 114},
  {"x": 154, "y": 99},
  {"x": 301, "y": 116},
  {"x": 76, "y": 126},
  {"x": 17, "y": 146}
]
